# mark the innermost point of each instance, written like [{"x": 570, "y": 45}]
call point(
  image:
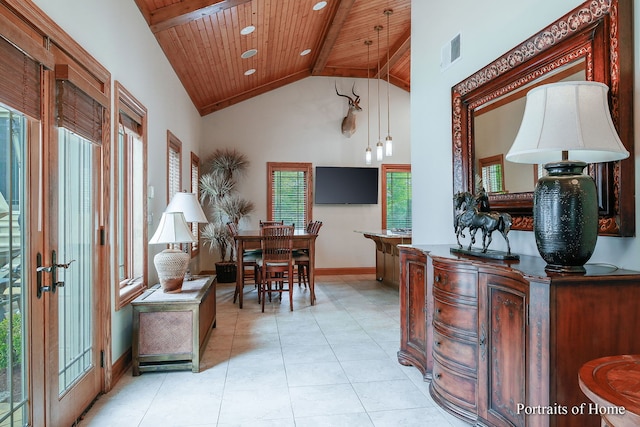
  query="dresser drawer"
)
[
  {"x": 455, "y": 316},
  {"x": 455, "y": 388},
  {"x": 456, "y": 351},
  {"x": 455, "y": 281}
]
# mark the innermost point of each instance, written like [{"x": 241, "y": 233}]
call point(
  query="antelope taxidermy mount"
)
[{"x": 349, "y": 121}]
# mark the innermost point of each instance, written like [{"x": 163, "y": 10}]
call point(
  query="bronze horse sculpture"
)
[{"x": 469, "y": 216}]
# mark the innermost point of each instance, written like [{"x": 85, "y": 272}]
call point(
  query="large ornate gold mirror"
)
[{"x": 592, "y": 42}]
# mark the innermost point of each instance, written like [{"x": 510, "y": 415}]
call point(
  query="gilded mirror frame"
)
[{"x": 600, "y": 32}]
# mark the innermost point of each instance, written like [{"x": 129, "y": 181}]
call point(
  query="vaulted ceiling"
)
[{"x": 225, "y": 52}]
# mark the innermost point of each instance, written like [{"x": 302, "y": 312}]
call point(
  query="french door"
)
[
  {"x": 50, "y": 218},
  {"x": 72, "y": 336}
]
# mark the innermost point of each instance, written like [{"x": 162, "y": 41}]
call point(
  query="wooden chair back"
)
[
  {"x": 277, "y": 244},
  {"x": 269, "y": 223},
  {"x": 314, "y": 227}
]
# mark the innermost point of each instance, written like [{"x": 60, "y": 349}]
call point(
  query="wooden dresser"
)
[
  {"x": 502, "y": 341},
  {"x": 170, "y": 331}
]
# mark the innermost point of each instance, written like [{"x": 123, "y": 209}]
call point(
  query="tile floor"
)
[{"x": 333, "y": 364}]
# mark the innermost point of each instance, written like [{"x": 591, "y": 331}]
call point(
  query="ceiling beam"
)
[
  {"x": 340, "y": 17},
  {"x": 401, "y": 47},
  {"x": 186, "y": 11},
  {"x": 219, "y": 105}
]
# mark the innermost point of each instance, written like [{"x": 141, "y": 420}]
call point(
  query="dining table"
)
[{"x": 251, "y": 239}]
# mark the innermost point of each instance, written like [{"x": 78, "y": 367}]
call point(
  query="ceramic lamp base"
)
[
  {"x": 565, "y": 217},
  {"x": 171, "y": 265}
]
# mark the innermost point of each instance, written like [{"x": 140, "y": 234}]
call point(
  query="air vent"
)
[{"x": 450, "y": 53}]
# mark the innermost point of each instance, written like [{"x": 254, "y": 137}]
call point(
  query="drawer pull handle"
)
[
  {"x": 437, "y": 343},
  {"x": 438, "y": 310},
  {"x": 438, "y": 278},
  {"x": 438, "y": 376}
]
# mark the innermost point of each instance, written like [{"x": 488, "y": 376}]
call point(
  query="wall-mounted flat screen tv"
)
[{"x": 346, "y": 185}]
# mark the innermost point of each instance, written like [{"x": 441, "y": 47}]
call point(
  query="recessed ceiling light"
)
[
  {"x": 249, "y": 72},
  {"x": 319, "y": 5},
  {"x": 305, "y": 52},
  {"x": 247, "y": 30},
  {"x": 249, "y": 53}
]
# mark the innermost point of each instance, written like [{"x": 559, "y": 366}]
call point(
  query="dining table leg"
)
[
  {"x": 240, "y": 271},
  {"x": 312, "y": 268}
]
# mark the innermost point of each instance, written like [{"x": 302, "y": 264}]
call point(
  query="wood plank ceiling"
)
[{"x": 204, "y": 42}]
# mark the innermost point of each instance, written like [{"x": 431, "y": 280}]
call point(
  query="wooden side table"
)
[
  {"x": 170, "y": 331},
  {"x": 613, "y": 385}
]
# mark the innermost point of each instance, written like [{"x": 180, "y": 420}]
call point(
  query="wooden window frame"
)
[
  {"x": 498, "y": 159},
  {"x": 307, "y": 168},
  {"x": 385, "y": 169},
  {"x": 129, "y": 288}
]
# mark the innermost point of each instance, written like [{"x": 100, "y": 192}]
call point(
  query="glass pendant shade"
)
[
  {"x": 379, "y": 151},
  {"x": 367, "y": 156},
  {"x": 388, "y": 146}
]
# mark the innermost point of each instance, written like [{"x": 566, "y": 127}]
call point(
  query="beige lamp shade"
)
[
  {"x": 188, "y": 204},
  {"x": 567, "y": 116},
  {"x": 172, "y": 229}
]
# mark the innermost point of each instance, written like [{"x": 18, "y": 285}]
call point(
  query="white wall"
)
[
  {"x": 115, "y": 33},
  {"x": 488, "y": 30},
  {"x": 300, "y": 122}
]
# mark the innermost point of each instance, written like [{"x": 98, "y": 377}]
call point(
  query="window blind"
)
[
  {"x": 174, "y": 171},
  {"x": 20, "y": 83},
  {"x": 289, "y": 201},
  {"x": 78, "y": 112},
  {"x": 398, "y": 200}
]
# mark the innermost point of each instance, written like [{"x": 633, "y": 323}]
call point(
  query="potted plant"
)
[{"x": 223, "y": 204}]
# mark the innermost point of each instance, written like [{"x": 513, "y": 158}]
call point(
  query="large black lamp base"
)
[{"x": 565, "y": 217}]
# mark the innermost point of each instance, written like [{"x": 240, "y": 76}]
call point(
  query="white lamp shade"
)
[
  {"x": 187, "y": 203},
  {"x": 567, "y": 116},
  {"x": 172, "y": 229}
]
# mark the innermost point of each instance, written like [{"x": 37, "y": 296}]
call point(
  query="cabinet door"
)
[
  {"x": 413, "y": 311},
  {"x": 502, "y": 321}
]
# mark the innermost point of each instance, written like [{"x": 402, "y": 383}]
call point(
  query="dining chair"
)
[
  {"x": 276, "y": 263},
  {"x": 269, "y": 223},
  {"x": 301, "y": 257},
  {"x": 249, "y": 262}
]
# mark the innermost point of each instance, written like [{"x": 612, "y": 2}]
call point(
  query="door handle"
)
[{"x": 53, "y": 269}]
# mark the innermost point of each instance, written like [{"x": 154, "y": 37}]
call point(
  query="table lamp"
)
[
  {"x": 171, "y": 264},
  {"x": 188, "y": 204},
  {"x": 563, "y": 120}
]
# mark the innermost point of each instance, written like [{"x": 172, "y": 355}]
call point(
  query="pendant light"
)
[
  {"x": 367, "y": 152},
  {"x": 389, "y": 140},
  {"x": 379, "y": 145}
]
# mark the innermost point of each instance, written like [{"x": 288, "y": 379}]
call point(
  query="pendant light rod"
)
[
  {"x": 367, "y": 153},
  {"x": 379, "y": 145},
  {"x": 389, "y": 140}
]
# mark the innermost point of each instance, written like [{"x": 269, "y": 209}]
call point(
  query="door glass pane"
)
[
  {"x": 76, "y": 242},
  {"x": 13, "y": 138}
]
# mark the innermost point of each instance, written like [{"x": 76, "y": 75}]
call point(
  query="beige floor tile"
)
[{"x": 332, "y": 364}]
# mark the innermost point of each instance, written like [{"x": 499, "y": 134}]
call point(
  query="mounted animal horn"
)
[{"x": 349, "y": 121}]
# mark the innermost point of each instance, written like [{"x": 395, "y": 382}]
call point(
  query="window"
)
[
  {"x": 396, "y": 197},
  {"x": 174, "y": 165},
  {"x": 195, "y": 183},
  {"x": 492, "y": 173},
  {"x": 130, "y": 195},
  {"x": 289, "y": 193}
]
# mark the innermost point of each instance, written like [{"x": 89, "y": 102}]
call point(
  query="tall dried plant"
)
[{"x": 219, "y": 195}]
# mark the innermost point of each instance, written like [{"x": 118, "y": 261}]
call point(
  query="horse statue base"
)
[{"x": 489, "y": 253}]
